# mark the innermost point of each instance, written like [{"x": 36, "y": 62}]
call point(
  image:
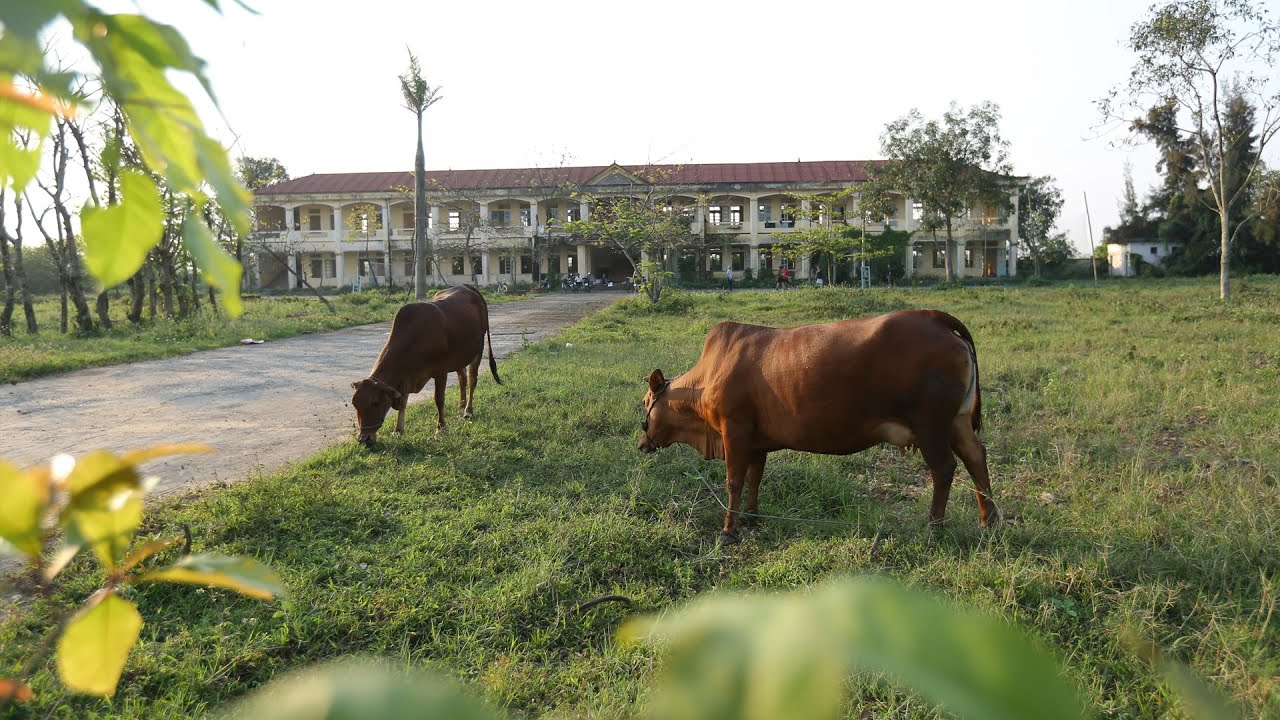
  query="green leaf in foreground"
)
[
  {"x": 784, "y": 656},
  {"x": 243, "y": 575},
  {"x": 105, "y": 508},
  {"x": 360, "y": 690},
  {"x": 26, "y": 495},
  {"x": 95, "y": 644},
  {"x": 117, "y": 239},
  {"x": 219, "y": 269}
]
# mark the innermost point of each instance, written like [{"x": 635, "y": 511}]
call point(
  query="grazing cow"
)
[
  {"x": 427, "y": 342},
  {"x": 908, "y": 378}
]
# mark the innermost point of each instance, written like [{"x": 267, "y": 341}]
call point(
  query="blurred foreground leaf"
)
[
  {"x": 243, "y": 575},
  {"x": 361, "y": 690},
  {"x": 26, "y": 495},
  {"x": 786, "y": 656},
  {"x": 95, "y": 644}
]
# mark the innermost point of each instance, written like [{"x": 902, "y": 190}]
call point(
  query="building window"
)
[
  {"x": 525, "y": 216},
  {"x": 764, "y": 213},
  {"x": 504, "y": 264},
  {"x": 500, "y": 218},
  {"x": 408, "y": 266},
  {"x": 455, "y": 222},
  {"x": 1155, "y": 250},
  {"x": 409, "y": 220},
  {"x": 574, "y": 214},
  {"x": 372, "y": 264},
  {"x": 939, "y": 257},
  {"x": 553, "y": 214},
  {"x": 553, "y": 264},
  {"x": 323, "y": 267},
  {"x": 766, "y": 257},
  {"x": 917, "y": 258},
  {"x": 735, "y": 214},
  {"x": 739, "y": 258},
  {"x": 713, "y": 214},
  {"x": 313, "y": 219},
  {"x": 526, "y": 264},
  {"x": 715, "y": 261},
  {"x": 456, "y": 266},
  {"x": 917, "y": 210},
  {"x": 571, "y": 264},
  {"x": 788, "y": 216},
  {"x": 968, "y": 257}
]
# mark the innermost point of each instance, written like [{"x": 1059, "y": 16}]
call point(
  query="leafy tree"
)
[
  {"x": 133, "y": 55},
  {"x": 642, "y": 223},
  {"x": 257, "y": 173},
  {"x": 1039, "y": 204},
  {"x": 1193, "y": 57},
  {"x": 948, "y": 166},
  {"x": 418, "y": 96}
]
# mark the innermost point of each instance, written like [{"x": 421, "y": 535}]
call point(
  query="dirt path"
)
[{"x": 261, "y": 406}]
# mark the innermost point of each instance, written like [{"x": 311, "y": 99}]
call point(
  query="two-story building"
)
[{"x": 485, "y": 225}]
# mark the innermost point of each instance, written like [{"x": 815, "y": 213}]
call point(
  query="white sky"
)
[{"x": 314, "y": 84}]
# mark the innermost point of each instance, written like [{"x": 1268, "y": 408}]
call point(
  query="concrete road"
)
[{"x": 261, "y": 406}]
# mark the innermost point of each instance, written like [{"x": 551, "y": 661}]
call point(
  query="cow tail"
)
[
  {"x": 493, "y": 365},
  {"x": 958, "y": 328}
]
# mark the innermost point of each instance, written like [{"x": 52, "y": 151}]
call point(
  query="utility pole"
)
[{"x": 1093, "y": 262}]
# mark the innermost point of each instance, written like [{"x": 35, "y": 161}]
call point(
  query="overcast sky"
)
[{"x": 314, "y": 83}]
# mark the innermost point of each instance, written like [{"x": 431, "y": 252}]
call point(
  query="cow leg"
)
[
  {"x": 441, "y": 381},
  {"x": 474, "y": 374},
  {"x": 736, "y": 463},
  {"x": 942, "y": 466},
  {"x": 755, "y": 471},
  {"x": 965, "y": 443},
  {"x": 462, "y": 389}
]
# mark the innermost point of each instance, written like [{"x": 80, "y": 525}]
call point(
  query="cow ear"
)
[
  {"x": 355, "y": 385},
  {"x": 656, "y": 381}
]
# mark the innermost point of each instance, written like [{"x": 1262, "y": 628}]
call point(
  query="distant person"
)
[
  {"x": 728, "y": 278},
  {"x": 786, "y": 278},
  {"x": 778, "y": 280},
  {"x": 818, "y": 279}
]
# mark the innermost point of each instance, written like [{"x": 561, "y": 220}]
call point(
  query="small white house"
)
[{"x": 1121, "y": 255}]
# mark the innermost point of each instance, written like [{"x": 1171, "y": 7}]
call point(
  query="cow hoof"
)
[
  {"x": 728, "y": 538},
  {"x": 466, "y": 416}
]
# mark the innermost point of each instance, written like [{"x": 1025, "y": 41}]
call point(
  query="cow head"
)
[
  {"x": 373, "y": 399},
  {"x": 658, "y": 425}
]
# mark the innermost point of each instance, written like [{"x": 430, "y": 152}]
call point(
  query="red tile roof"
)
[{"x": 518, "y": 178}]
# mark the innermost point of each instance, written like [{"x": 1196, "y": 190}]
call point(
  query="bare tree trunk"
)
[
  {"x": 104, "y": 310},
  {"x": 421, "y": 244},
  {"x": 137, "y": 294},
  {"x": 10, "y": 292},
  {"x": 1224, "y": 273},
  {"x": 20, "y": 271},
  {"x": 151, "y": 288}
]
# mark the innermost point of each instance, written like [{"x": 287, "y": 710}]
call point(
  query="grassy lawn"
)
[
  {"x": 1131, "y": 433},
  {"x": 265, "y": 318}
]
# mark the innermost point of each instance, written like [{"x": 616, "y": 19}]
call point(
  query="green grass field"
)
[
  {"x": 23, "y": 357},
  {"x": 1131, "y": 433}
]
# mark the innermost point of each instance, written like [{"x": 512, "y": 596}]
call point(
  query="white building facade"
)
[
  {"x": 486, "y": 226},
  {"x": 1125, "y": 258}
]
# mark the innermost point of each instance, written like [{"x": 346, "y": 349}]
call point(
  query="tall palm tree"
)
[{"x": 418, "y": 96}]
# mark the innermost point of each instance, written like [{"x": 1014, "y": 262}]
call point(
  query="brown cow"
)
[
  {"x": 427, "y": 342},
  {"x": 908, "y": 378}
]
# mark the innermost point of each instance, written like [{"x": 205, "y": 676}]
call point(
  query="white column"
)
[
  {"x": 753, "y": 217},
  {"x": 484, "y": 266},
  {"x": 386, "y": 233},
  {"x": 753, "y": 261},
  {"x": 804, "y": 213},
  {"x": 533, "y": 217},
  {"x": 288, "y": 218},
  {"x": 910, "y": 264},
  {"x": 583, "y": 210},
  {"x": 961, "y": 270},
  {"x": 804, "y": 267},
  {"x": 583, "y": 259}
]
